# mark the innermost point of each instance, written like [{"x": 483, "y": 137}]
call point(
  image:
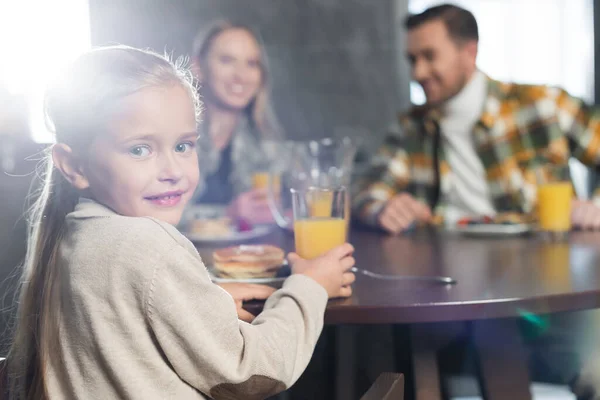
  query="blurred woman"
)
[{"x": 231, "y": 67}]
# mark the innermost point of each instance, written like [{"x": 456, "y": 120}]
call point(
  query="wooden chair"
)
[{"x": 388, "y": 386}]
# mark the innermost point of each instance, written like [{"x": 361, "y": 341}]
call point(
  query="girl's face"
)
[
  {"x": 233, "y": 73},
  {"x": 146, "y": 165}
]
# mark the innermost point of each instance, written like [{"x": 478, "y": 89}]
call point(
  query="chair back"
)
[{"x": 388, "y": 386}]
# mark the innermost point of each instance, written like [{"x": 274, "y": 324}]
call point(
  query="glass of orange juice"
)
[
  {"x": 264, "y": 180},
  {"x": 260, "y": 180},
  {"x": 554, "y": 207},
  {"x": 319, "y": 220}
]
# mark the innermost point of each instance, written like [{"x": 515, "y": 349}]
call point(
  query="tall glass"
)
[
  {"x": 319, "y": 220},
  {"x": 554, "y": 207},
  {"x": 263, "y": 180},
  {"x": 268, "y": 167}
]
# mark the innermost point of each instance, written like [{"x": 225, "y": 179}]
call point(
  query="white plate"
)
[
  {"x": 203, "y": 211},
  {"x": 282, "y": 275},
  {"x": 256, "y": 232},
  {"x": 492, "y": 229}
]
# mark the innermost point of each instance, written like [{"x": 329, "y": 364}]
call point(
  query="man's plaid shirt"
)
[{"x": 524, "y": 135}]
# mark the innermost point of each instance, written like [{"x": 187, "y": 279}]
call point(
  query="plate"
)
[
  {"x": 203, "y": 211},
  {"x": 492, "y": 229},
  {"x": 207, "y": 211},
  {"x": 281, "y": 276},
  {"x": 256, "y": 232}
]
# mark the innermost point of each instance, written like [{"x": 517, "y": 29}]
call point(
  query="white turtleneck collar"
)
[
  {"x": 468, "y": 103},
  {"x": 467, "y": 192}
]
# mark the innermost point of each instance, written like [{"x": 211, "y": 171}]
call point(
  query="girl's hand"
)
[
  {"x": 331, "y": 270},
  {"x": 245, "y": 292}
]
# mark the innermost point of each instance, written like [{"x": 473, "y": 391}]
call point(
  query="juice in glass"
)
[
  {"x": 554, "y": 206},
  {"x": 316, "y": 236},
  {"x": 260, "y": 180},
  {"x": 320, "y": 205},
  {"x": 319, "y": 220}
]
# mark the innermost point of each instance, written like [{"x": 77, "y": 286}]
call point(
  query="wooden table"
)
[{"x": 499, "y": 280}]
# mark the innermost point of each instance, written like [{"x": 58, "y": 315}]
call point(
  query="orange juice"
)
[
  {"x": 260, "y": 180},
  {"x": 554, "y": 206},
  {"x": 320, "y": 204},
  {"x": 316, "y": 236}
]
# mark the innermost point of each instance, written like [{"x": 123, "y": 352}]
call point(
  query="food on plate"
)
[
  {"x": 474, "y": 220},
  {"x": 248, "y": 261},
  {"x": 243, "y": 225},
  {"x": 509, "y": 218},
  {"x": 506, "y": 218},
  {"x": 212, "y": 227}
]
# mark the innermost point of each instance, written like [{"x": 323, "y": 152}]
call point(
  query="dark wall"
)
[{"x": 333, "y": 62}]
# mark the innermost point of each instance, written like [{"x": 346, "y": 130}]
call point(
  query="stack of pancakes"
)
[{"x": 248, "y": 261}]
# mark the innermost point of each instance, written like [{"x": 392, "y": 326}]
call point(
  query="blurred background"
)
[{"x": 337, "y": 66}]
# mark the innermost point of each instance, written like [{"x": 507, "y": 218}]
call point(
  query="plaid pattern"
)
[{"x": 524, "y": 134}]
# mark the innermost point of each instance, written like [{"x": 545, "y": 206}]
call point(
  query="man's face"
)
[{"x": 441, "y": 65}]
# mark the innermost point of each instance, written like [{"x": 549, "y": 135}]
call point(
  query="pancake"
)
[{"x": 248, "y": 261}]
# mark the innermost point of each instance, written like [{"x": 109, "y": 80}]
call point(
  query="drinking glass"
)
[{"x": 319, "y": 220}]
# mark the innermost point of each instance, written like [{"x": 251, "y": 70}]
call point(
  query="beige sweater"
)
[{"x": 141, "y": 319}]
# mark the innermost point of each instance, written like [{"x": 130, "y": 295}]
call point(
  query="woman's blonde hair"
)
[
  {"x": 259, "y": 111},
  {"x": 79, "y": 106}
]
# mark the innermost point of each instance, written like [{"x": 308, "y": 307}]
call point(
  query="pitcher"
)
[{"x": 324, "y": 163}]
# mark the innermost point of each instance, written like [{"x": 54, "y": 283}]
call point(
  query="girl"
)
[
  {"x": 231, "y": 67},
  {"x": 115, "y": 302}
]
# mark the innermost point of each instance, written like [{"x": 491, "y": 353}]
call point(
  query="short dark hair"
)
[{"x": 461, "y": 23}]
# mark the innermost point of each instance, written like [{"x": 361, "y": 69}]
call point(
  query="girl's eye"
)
[
  {"x": 184, "y": 147},
  {"x": 140, "y": 151}
]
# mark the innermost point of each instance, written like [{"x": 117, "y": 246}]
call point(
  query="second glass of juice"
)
[
  {"x": 554, "y": 207},
  {"x": 319, "y": 220}
]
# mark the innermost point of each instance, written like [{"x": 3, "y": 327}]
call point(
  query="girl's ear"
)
[{"x": 69, "y": 166}]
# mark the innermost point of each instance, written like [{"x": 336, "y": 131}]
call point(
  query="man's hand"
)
[
  {"x": 585, "y": 215},
  {"x": 401, "y": 211},
  {"x": 244, "y": 292}
]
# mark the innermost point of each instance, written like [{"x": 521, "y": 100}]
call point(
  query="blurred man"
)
[{"x": 478, "y": 146}]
